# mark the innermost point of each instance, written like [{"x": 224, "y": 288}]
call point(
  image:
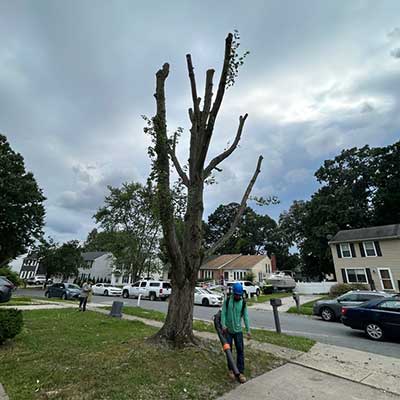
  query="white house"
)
[{"x": 99, "y": 265}]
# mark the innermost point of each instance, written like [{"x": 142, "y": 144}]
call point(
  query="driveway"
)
[{"x": 325, "y": 332}]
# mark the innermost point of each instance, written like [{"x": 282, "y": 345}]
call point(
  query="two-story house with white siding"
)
[{"x": 368, "y": 255}]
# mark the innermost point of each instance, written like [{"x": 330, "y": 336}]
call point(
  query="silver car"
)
[
  {"x": 331, "y": 309},
  {"x": 6, "y": 289}
]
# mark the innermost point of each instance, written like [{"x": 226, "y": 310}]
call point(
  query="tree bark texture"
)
[{"x": 186, "y": 258}]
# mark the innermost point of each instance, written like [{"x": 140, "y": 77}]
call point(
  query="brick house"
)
[{"x": 230, "y": 267}]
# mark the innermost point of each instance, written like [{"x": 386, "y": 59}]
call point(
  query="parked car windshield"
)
[{"x": 72, "y": 286}]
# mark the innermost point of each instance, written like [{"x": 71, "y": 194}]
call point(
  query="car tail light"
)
[
  {"x": 344, "y": 310},
  {"x": 161, "y": 291}
]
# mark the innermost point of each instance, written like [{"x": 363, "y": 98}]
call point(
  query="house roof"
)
[
  {"x": 374, "y": 232},
  {"x": 232, "y": 261},
  {"x": 217, "y": 262},
  {"x": 92, "y": 255}
]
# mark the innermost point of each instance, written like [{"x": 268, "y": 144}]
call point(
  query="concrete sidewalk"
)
[
  {"x": 287, "y": 302},
  {"x": 294, "y": 382}
]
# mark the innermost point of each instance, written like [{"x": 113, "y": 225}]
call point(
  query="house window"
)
[
  {"x": 369, "y": 248},
  {"x": 356, "y": 275},
  {"x": 386, "y": 278},
  {"x": 207, "y": 274},
  {"x": 345, "y": 249}
]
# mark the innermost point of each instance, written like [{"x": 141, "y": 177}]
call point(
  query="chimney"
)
[{"x": 273, "y": 262}]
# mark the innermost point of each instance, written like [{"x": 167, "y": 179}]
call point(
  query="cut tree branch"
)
[
  {"x": 177, "y": 165},
  {"x": 217, "y": 160},
  {"x": 196, "y": 100},
  {"x": 217, "y": 102},
  {"x": 240, "y": 212}
]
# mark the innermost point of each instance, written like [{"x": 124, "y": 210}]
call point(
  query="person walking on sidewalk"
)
[
  {"x": 234, "y": 309},
  {"x": 83, "y": 296}
]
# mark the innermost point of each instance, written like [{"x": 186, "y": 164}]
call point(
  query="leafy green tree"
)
[
  {"x": 360, "y": 188},
  {"x": 63, "y": 260},
  {"x": 21, "y": 205},
  {"x": 130, "y": 229}
]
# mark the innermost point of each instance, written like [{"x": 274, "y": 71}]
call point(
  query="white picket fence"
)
[{"x": 313, "y": 287}]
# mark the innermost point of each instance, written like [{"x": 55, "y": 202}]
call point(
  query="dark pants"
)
[
  {"x": 238, "y": 339},
  {"x": 82, "y": 303}
]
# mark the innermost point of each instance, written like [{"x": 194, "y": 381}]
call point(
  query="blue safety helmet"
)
[{"x": 237, "y": 288}]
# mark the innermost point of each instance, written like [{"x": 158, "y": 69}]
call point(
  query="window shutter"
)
[
  {"x": 369, "y": 277},
  {"x": 361, "y": 249},
  {"x": 353, "y": 250},
  {"x": 344, "y": 275},
  {"x": 339, "y": 253},
  {"x": 378, "y": 249}
]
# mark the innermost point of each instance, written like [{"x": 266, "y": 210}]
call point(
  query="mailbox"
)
[{"x": 275, "y": 302}]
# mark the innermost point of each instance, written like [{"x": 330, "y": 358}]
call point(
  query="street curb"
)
[
  {"x": 3, "y": 394},
  {"x": 342, "y": 377}
]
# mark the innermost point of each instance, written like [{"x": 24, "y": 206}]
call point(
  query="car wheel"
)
[
  {"x": 245, "y": 294},
  {"x": 106, "y": 293},
  {"x": 258, "y": 292},
  {"x": 152, "y": 296},
  {"x": 125, "y": 294},
  {"x": 64, "y": 296},
  {"x": 205, "y": 302},
  {"x": 374, "y": 331},
  {"x": 327, "y": 314}
]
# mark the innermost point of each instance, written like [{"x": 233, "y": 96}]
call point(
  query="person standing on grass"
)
[
  {"x": 234, "y": 309},
  {"x": 83, "y": 296}
]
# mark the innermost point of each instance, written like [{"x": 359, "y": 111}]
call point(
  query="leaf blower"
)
[{"x": 225, "y": 345}]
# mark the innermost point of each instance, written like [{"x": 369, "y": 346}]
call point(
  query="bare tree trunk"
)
[{"x": 186, "y": 259}]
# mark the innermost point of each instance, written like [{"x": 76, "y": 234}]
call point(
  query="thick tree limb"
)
[
  {"x": 217, "y": 160},
  {"x": 240, "y": 212},
  {"x": 195, "y": 98},
  {"x": 178, "y": 167},
  {"x": 205, "y": 142},
  {"x": 207, "y": 97},
  {"x": 163, "y": 176}
]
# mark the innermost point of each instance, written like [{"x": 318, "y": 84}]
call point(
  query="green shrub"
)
[
  {"x": 10, "y": 275},
  {"x": 342, "y": 288},
  {"x": 10, "y": 324}
]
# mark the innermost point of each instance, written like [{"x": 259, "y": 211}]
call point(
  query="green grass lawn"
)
[
  {"x": 306, "y": 308},
  {"x": 64, "y": 354},
  {"x": 261, "y": 335},
  {"x": 267, "y": 297}
]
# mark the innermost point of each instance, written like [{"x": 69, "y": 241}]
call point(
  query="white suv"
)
[
  {"x": 249, "y": 288},
  {"x": 147, "y": 288}
]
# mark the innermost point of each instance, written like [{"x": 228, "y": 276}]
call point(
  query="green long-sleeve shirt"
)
[{"x": 231, "y": 318}]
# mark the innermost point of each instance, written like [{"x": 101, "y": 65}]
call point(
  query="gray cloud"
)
[
  {"x": 395, "y": 53},
  {"x": 74, "y": 80}
]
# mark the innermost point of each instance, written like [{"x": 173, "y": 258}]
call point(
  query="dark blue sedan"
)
[{"x": 378, "y": 318}]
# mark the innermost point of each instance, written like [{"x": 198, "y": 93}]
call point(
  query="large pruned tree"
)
[
  {"x": 21, "y": 205},
  {"x": 186, "y": 255}
]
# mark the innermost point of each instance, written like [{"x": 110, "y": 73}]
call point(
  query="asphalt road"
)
[{"x": 325, "y": 332}]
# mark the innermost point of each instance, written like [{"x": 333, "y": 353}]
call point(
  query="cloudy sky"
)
[{"x": 75, "y": 77}]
